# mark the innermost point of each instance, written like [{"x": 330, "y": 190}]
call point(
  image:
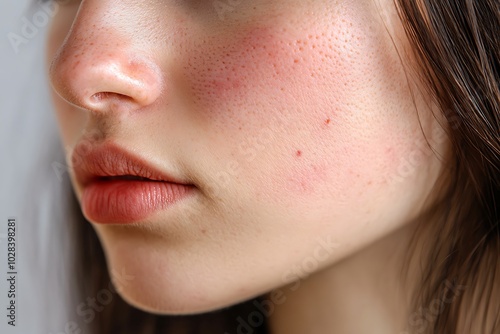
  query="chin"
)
[
  {"x": 162, "y": 280},
  {"x": 156, "y": 294}
]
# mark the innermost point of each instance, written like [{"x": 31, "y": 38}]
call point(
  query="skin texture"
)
[{"x": 295, "y": 120}]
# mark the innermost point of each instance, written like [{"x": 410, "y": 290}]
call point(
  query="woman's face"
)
[{"x": 294, "y": 120}]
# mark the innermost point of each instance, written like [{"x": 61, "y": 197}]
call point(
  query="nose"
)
[{"x": 98, "y": 69}]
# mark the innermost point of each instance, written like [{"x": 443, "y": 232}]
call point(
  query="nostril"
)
[
  {"x": 111, "y": 101},
  {"x": 98, "y": 97}
]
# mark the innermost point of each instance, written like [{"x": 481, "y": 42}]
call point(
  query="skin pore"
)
[{"x": 298, "y": 125}]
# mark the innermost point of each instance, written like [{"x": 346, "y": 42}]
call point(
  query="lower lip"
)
[{"x": 129, "y": 201}]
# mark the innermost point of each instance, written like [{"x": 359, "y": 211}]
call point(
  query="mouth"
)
[
  {"x": 111, "y": 162},
  {"x": 119, "y": 187}
]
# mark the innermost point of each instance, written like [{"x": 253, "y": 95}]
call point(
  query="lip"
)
[{"x": 119, "y": 187}]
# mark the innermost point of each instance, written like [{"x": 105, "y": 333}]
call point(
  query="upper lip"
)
[{"x": 94, "y": 163}]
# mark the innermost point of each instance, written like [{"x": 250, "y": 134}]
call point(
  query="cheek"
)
[
  {"x": 317, "y": 89},
  {"x": 222, "y": 73},
  {"x": 274, "y": 66},
  {"x": 217, "y": 72}
]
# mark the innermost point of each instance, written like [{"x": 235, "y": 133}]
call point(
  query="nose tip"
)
[{"x": 105, "y": 81}]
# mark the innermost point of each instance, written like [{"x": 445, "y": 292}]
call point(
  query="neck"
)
[{"x": 364, "y": 293}]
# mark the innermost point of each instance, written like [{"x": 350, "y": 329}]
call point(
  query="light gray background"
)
[{"x": 31, "y": 189}]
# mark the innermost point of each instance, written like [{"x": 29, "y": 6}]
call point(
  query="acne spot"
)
[
  {"x": 327, "y": 121},
  {"x": 298, "y": 153}
]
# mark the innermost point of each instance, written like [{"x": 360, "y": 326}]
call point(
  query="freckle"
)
[
  {"x": 327, "y": 121},
  {"x": 203, "y": 231},
  {"x": 299, "y": 153}
]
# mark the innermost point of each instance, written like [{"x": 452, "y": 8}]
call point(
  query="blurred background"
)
[{"x": 34, "y": 185}]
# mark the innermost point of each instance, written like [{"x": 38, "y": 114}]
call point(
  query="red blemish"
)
[{"x": 299, "y": 153}]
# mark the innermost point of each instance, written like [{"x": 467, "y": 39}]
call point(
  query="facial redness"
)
[{"x": 275, "y": 75}]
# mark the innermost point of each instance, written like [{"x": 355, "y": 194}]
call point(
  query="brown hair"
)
[{"x": 457, "y": 45}]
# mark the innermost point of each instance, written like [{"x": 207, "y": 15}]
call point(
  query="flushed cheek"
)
[
  {"x": 301, "y": 85},
  {"x": 228, "y": 74},
  {"x": 223, "y": 71},
  {"x": 255, "y": 84}
]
